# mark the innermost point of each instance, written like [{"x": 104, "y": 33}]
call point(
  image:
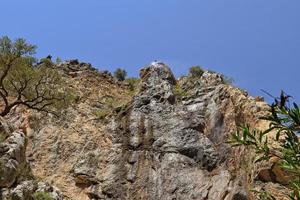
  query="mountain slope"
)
[{"x": 165, "y": 140}]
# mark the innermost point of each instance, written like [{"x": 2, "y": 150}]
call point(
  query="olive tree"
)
[
  {"x": 285, "y": 122},
  {"x": 22, "y": 82}
]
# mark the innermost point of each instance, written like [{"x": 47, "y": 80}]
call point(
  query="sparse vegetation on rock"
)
[
  {"x": 102, "y": 113},
  {"x": 120, "y": 74},
  {"x": 42, "y": 196},
  {"x": 178, "y": 91},
  {"x": 132, "y": 82},
  {"x": 196, "y": 71}
]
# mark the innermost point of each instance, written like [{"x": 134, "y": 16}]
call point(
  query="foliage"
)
[
  {"x": 178, "y": 91},
  {"x": 133, "y": 82},
  {"x": 285, "y": 122},
  {"x": 42, "y": 196},
  {"x": 106, "y": 72},
  {"x": 37, "y": 87},
  {"x": 120, "y": 74},
  {"x": 101, "y": 114},
  {"x": 110, "y": 104},
  {"x": 2, "y": 137},
  {"x": 264, "y": 195},
  {"x": 196, "y": 71},
  {"x": 227, "y": 80}
]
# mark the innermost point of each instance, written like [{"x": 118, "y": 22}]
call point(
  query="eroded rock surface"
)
[
  {"x": 165, "y": 141},
  {"x": 16, "y": 179},
  {"x": 12, "y": 160},
  {"x": 166, "y": 146}
]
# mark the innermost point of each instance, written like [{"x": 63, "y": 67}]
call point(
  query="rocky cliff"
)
[{"x": 166, "y": 140}]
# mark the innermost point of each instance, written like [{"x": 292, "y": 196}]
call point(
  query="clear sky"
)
[{"x": 257, "y": 42}]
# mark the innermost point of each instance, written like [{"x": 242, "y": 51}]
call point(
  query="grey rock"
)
[
  {"x": 5, "y": 128},
  {"x": 16, "y": 179},
  {"x": 12, "y": 159},
  {"x": 26, "y": 190},
  {"x": 165, "y": 147},
  {"x": 51, "y": 190}
]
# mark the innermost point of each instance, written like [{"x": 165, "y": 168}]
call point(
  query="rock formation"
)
[
  {"x": 166, "y": 141},
  {"x": 16, "y": 179}
]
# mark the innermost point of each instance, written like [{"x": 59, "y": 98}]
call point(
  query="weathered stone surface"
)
[
  {"x": 166, "y": 147},
  {"x": 23, "y": 191},
  {"x": 5, "y": 128},
  {"x": 161, "y": 145},
  {"x": 54, "y": 192},
  {"x": 16, "y": 179},
  {"x": 12, "y": 160},
  {"x": 27, "y": 190}
]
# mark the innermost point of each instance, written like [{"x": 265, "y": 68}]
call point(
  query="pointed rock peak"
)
[
  {"x": 157, "y": 82},
  {"x": 157, "y": 72}
]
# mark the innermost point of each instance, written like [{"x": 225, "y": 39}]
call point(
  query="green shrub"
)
[
  {"x": 178, "y": 91},
  {"x": 2, "y": 137},
  {"x": 112, "y": 102},
  {"x": 133, "y": 82},
  {"x": 285, "y": 122},
  {"x": 42, "y": 196},
  {"x": 227, "y": 80},
  {"x": 196, "y": 71},
  {"x": 101, "y": 114},
  {"x": 120, "y": 74}
]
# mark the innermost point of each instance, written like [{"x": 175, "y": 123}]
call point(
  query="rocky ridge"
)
[{"x": 166, "y": 141}]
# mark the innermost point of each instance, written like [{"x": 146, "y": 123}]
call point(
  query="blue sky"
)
[{"x": 257, "y": 42}]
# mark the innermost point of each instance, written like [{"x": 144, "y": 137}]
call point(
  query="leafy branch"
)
[{"x": 285, "y": 122}]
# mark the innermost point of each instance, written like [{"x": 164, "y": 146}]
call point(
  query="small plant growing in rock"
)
[
  {"x": 101, "y": 114},
  {"x": 112, "y": 103},
  {"x": 42, "y": 196},
  {"x": 178, "y": 91},
  {"x": 285, "y": 122},
  {"x": 2, "y": 137},
  {"x": 227, "y": 80},
  {"x": 120, "y": 74},
  {"x": 196, "y": 72},
  {"x": 107, "y": 72},
  {"x": 132, "y": 82}
]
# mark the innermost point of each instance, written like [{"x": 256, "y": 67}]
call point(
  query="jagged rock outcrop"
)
[
  {"x": 167, "y": 141},
  {"x": 170, "y": 147},
  {"x": 12, "y": 160},
  {"x": 56, "y": 144},
  {"x": 16, "y": 179}
]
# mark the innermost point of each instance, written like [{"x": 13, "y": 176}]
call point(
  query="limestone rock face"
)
[
  {"x": 27, "y": 190},
  {"x": 12, "y": 159},
  {"x": 166, "y": 146},
  {"x": 5, "y": 128},
  {"x": 16, "y": 179},
  {"x": 165, "y": 141}
]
